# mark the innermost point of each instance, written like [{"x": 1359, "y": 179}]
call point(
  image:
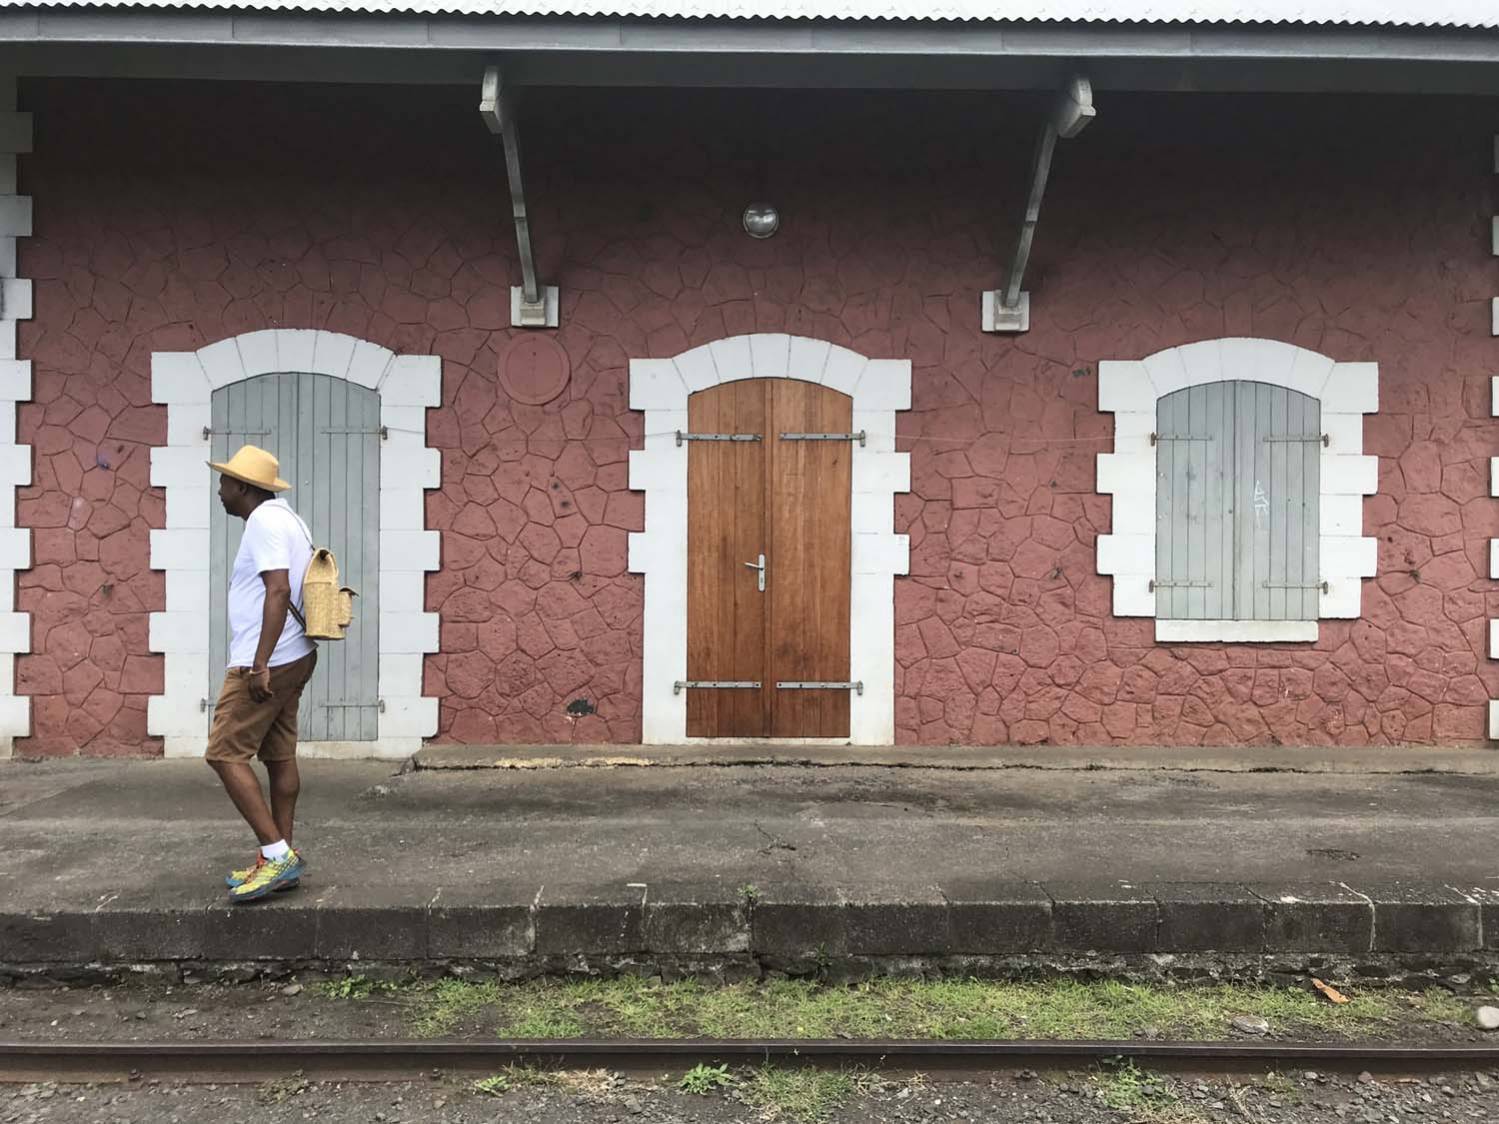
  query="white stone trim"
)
[
  {"x": 1130, "y": 390},
  {"x": 1494, "y": 491},
  {"x": 879, "y": 388},
  {"x": 15, "y": 386},
  {"x": 408, "y": 385},
  {"x": 1236, "y": 632}
]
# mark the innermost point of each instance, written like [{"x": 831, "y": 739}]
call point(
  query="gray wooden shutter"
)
[
  {"x": 1195, "y": 503},
  {"x": 1278, "y": 461},
  {"x": 1237, "y": 487},
  {"x": 325, "y": 432}
]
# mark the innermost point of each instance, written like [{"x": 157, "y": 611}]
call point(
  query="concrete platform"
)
[{"x": 794, "y": 867}]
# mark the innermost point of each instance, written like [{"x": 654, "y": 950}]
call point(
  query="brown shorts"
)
[{"x": 243, "y": 728}]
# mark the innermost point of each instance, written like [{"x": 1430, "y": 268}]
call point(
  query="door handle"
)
[{"x": 759, "y": 567}]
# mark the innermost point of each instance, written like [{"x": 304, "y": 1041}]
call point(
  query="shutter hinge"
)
[
  {"x": 382, "y": 432},
  {"x": 1323, "y": 439},
  {"x": 1157, "y": 438},
  {"x": 210, "y": 432}
]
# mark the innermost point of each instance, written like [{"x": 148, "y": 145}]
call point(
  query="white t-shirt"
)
[{"x": 275, "y": 539}]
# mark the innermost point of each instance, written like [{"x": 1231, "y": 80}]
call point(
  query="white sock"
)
[{"x": 277, "y": 850}]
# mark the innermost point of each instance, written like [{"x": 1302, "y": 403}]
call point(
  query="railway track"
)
[{"x": 230, "y": 1062}]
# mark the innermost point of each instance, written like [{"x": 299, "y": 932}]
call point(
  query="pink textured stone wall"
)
[{"x": 1174, "y": 218}]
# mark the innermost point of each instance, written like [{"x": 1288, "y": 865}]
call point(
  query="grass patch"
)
[
  {"x": 443, "y": 1005},
  {"x": 354, "y": 987},
  {"x": 803, "y": 1095},
  {"x": 1140, "y": 1095},
  {"x": 949, "y": 1009}
]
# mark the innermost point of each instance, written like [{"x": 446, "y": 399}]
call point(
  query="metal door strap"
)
[
  {"x": 714, "y": 684},
  {"x": 856, "y": 687},
  {"x": 716, "y": 437},
  {"x": 861, "y": 437},
  {"x": 1294, "y": 585},
  {"x": 1155, "y": 585}
]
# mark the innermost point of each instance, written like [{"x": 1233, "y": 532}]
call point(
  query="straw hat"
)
[{"x": 253, "y": 466}]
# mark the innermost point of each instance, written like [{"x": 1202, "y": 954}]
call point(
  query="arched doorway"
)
[{"x": 871, "y": 391}]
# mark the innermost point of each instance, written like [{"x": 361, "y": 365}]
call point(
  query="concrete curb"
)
[
  {"x": 774, "y": 924},
  {"x": 1370, "y": 761}
]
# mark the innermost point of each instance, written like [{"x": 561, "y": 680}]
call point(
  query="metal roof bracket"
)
[
  {"x": 1009, "y": 309},
  {"x": 532, "y": 305}
]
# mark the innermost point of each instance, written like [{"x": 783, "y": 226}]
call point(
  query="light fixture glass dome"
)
[{"x": 761, "y": 220}]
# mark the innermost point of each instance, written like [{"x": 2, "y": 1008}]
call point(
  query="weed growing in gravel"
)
[
  {"x": 495, "y": 1085},
  {"x": 281, "y": 1089},
  {"x": 803, "y": 1095},
  {"x": 945, "y": 1009},
  {"x": 592, "y": 1084},
  {"x": 1284, "y": 1088},
  {"x": 1141, "y": 1096},
  {"x": 511, "y": 1077},
  {"x": 703, "y": 1079}
]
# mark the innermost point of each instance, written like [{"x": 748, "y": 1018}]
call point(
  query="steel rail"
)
[{"x": 405, "y": 1059}]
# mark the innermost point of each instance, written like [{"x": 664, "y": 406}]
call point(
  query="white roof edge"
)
[{"x": 1450, "y": 14}]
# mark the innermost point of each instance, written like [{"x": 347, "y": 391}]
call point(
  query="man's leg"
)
[
  {"x": 286, "y": 783},
  {"x": 243, "y": 787},
  {"x": 278, "y": 751},
  {"x": 239, "y": 726}
]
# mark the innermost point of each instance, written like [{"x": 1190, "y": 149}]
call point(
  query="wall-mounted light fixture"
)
[{"x": 761, "y": 220}]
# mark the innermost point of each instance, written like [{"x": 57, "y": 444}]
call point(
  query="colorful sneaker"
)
[
  {"x": 240, "y": 877},
  {"x": 269, "y": 876}
]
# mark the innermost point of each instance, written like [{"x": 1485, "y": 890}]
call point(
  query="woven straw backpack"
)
[{"x": 327, "y": 607}]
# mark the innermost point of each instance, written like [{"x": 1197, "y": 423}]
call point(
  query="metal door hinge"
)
[
  {"x": 857, "y": 687},
  {"x": 203, "y": 705},
  {"x": 1294, "y": 585},
  {"x": 1157, "y": 438},
  {"x": 1155, "y": 585},
  {"x": 382, "y": 432},
  {"x": 681, "y": 437},
  {"x": 715, "y": 684},
  {"x": 210, "y": 432},
  {"x": 1323, "y": 439},
  {"x": 861, "y": 437}
]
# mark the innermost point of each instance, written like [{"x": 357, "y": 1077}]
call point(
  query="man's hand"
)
[{"x": 260, "y": 683}]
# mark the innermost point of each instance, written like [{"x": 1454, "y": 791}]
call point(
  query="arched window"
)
[{"x": 1238, "y": 476}]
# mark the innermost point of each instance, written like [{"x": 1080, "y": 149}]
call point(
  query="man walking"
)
[{"x": 270, "y": 661}]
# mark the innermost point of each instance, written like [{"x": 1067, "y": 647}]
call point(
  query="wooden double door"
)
[{"x": 768, "y": 565}]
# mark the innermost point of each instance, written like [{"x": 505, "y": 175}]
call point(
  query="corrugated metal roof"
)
[{"x": 1386, "y": 13}]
